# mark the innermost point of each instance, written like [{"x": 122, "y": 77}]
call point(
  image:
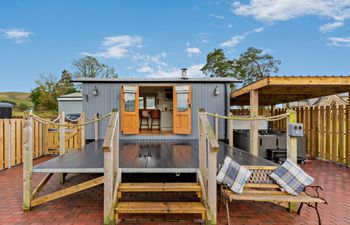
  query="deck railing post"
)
[
  {"x": 62, "y": 143},
  {"x": 27, "y": 159},
  {"x": 96, "y": 126},
  {"x": 62, "y": 132},
  {"x": 230, "y": 131},
  {"x": 82, "y": 131},
  {"x": 111, "y": 166},
  {"x": 216, "y": 126},
  {"x": 202, "y": 144}
]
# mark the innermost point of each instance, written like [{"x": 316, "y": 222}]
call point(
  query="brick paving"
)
[{"x": 86, "y": 207}]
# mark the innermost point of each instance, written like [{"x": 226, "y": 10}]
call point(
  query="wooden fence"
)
[
  {"x": 45, "y": 140},
  {"x": 327, "y": 130}
]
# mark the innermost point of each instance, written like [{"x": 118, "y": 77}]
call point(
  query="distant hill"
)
[
  {"x": 16, "y": 98},
  {"x": 22, "y": 102}
]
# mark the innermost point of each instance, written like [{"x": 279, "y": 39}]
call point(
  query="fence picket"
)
[{"x": 11, "y": 141}]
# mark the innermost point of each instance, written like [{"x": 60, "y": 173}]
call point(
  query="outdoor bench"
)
[{"x": 261, "y": 188}]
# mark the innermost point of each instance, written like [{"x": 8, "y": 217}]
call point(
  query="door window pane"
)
[
  {"x": 182, "y": 102},
  {"x": 129, "y": 99}
]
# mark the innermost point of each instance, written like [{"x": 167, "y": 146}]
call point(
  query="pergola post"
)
[
  {"x": 254, "y": 124},
  {"x": 292, "y": 142}
]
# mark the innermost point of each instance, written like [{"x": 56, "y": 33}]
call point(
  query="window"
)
[{"x": 150, "y": 102}]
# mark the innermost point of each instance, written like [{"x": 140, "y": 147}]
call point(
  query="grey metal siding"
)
[
  {"x": 102, "y": 104},
  {"x": 202, "y": 97},
  {"x": 70, "y": 106}
]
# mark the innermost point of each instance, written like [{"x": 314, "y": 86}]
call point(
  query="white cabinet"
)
[{"x": 166, "y": 121}]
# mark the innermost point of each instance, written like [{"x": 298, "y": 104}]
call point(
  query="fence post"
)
[
  {"x": 230, "y": 131},
  {"x": 96, "y": 127},
  {"x": 27, "y": 159},
  {"x": 9, "y": 144}
]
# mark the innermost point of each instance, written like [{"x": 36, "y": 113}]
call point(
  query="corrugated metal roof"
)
[
  {"x": 161, "y": 80},
  {"x": 5, "y": 105}
]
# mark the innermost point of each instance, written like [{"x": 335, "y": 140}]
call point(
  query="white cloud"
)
[
  {"x": 193, "y": 50},
  {"x": 229, "y": 26},
  {"x": 192, "y": 71},
  {"x": 117, "y": 46},
  {"x": 331, "y": 26},
  {"x": 281, "y": 10},
  {"x": 145, "y": 69},
  {"x": 338, "y": 41},
  {"x": 219, "y": 17},
  {"x": 18, "y": 35},
  {"x": 235, "y": 40}
]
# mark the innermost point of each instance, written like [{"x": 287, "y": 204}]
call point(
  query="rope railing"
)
[
  {"x": 41, "y": 120},
  {"x": 251, "y": 118}
]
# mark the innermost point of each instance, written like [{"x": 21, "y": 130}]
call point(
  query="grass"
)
[{"x": 19, "y": 99}]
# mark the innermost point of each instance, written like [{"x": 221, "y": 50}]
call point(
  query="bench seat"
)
[{"x": 261, "y": 188}]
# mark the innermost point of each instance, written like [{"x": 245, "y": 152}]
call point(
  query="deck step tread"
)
[
  {"x": 160, "y": 207},
  {"x": 159, "y": 187}
]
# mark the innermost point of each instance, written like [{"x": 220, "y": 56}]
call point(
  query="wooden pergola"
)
[{"x": 271, "y": 91}]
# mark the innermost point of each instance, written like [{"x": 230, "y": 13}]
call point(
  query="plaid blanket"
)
[
  {"x": 233, "y": 175},
  {"x": 291, "y": 177}
]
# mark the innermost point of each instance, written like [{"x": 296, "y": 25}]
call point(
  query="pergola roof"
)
[{"x": 277, "y": 90}]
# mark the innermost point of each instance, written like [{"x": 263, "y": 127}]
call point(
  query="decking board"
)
[{"x": 143, "y": 156}]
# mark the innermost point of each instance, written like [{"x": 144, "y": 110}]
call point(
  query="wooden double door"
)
[{"x": 182, "y": 109}]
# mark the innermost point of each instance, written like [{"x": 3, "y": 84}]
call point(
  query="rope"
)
[
  {"x": 269, "y": 118},
  {"x": 76, "y": 120},
  {"x": 41, "y": 120},
  {"x": 57, "y": 118}
]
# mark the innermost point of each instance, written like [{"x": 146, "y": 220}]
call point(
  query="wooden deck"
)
[{"x": 144, "y": 156}]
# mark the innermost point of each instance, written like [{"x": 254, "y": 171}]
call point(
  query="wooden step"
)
[
  {"x": 159, "y": 187},
  {"x": 160, "y": 208}
]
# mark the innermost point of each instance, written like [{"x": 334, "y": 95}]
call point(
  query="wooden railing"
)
[
  {"x": 208, "y": 148},
  {"x": 112, "y": 173}
]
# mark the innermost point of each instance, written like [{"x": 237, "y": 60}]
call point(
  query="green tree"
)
[
  {"x": 250, "y": 66},
  {"x": 90, "y": 67},
  {"x": 218, "y": 65},
  {"x": 254, "y": 64},
  {"x": 44, "y": 96}
]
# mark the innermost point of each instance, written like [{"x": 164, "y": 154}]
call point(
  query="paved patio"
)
[{"x": 86, "y": 207}]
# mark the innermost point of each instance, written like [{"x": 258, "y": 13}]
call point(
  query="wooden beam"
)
[
  {"x": 41, "y": 185},
  {"x": 27, "y": 160},
  {"x": 254, "y": 125},
  {"x": 67, "y": 191}
]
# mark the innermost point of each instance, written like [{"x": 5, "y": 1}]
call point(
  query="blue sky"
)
[{"x": 156, "y": 38}]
